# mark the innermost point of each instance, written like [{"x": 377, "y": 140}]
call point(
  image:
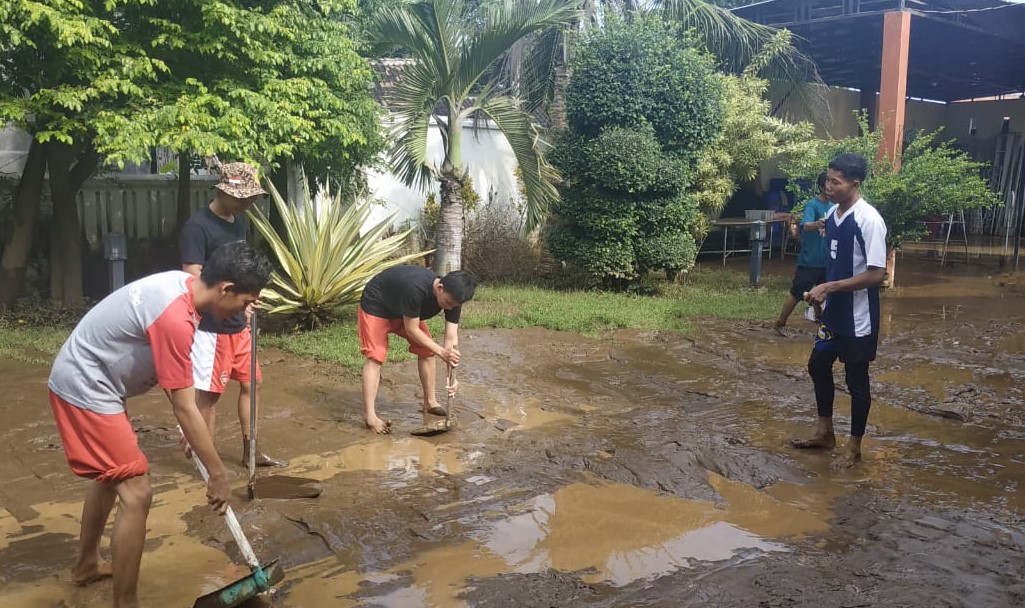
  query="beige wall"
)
[
  {"x": 988, "y": 117},
  {"x": 920, "y": 115}
]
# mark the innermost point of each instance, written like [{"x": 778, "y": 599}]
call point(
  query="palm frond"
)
[{"x": 525, "y": 140}]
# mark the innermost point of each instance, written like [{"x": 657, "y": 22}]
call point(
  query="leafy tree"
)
[
  {"x": 453, "y": 49},
  {"x": 62, "y": 64},
  {"x": 642, "y": 105},
  {"x": 750, "y": 135},
  {"x": 107, "y": 81},
  {"x": 934, "y": 178}
]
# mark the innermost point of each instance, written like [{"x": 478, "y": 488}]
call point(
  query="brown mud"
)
[{"x": 641, "y": 469}]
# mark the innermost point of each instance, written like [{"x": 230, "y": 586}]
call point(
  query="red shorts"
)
[
  {"x": 98, "y": 446},
  {"x": 373, "y": 336},
  {"x": 218, "y": 358}
]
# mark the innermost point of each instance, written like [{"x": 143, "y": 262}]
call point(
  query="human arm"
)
[
  {"x": 193, "y": 269},
  {"x": 417, "y": 336},
  {"x": 811, "y": 221},
  {"x": 870, "y": 278},
  {"x": 183, "y": 405}
]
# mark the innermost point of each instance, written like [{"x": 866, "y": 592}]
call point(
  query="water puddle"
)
[
  {"x": 613, "y": 533},
  {"x": 406, "y": 458}
]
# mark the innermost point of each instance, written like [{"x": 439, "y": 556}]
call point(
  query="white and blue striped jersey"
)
[{"x": 855, "y": 241}]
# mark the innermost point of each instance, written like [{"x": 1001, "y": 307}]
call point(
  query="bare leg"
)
[
  {"x": 788, "y": 307},
  {"x": 427, "y": 369},
  {"x": 129, "y": 538},
  {"x": 371, "y": 380},
  {"x": 850, "y": 457},
  {"x": 95, "y": 510},
  {"x": 262, "y": 460},
  {"x": 822, "y": 436}
]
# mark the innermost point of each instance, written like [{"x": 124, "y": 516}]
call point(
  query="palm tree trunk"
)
[
  {"x": 26, "y": 212},
  {"x": 449, "y": 239}
]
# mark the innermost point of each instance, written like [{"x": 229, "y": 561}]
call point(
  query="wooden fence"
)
[{"x": 143, "y": 207}]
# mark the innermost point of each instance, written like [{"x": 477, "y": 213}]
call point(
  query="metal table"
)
[{"x": 733, "y": 222}]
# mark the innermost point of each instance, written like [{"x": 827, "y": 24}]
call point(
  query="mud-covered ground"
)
[{"x": 641, "y": 469}]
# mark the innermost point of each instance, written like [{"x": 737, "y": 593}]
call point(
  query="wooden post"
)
[
  {"x": 893, "y": 87},
  {"x": 893, "y": 83}
]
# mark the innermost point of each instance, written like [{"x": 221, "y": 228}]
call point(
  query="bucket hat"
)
[{"x": 239, "y": 180}]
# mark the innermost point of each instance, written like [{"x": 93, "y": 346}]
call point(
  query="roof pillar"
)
[{"x": 893, "y": 83}]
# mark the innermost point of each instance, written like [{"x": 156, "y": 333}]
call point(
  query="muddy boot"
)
[{"x": 262, "y": 460}]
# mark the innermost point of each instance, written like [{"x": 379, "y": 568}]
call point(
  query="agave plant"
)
[{"x": 324, "y": 260}]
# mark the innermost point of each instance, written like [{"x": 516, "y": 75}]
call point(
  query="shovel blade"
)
[
  {"x": 243, "y": 589},
  {"x": 434, "y": 428}
]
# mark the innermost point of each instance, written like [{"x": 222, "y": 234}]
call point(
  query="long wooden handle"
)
[
  {"x": 229, "y": 516},
  {"x": 252, "y": 402},
  {"x": 448, "y": 404}
]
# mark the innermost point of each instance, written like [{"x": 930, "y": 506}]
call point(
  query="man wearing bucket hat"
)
[{"x": 221, "y": 349}]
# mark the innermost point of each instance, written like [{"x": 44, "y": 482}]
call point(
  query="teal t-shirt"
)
[{"x": 813, "y": 247}]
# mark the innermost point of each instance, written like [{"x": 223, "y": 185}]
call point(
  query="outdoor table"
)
[{"x": 743, "y": 222}]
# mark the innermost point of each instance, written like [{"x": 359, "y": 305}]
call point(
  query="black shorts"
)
[
  {"x": 806, "y": 277},
  {"x": 848, "y": 349}
]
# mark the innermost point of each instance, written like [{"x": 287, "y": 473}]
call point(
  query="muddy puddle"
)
[{"x": 642, "y": 469}]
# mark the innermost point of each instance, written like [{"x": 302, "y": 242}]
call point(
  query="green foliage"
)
[
  {"x": 934, "y": 178},
  {"x": 750, "y": 135},
  {"x": 323, "y": 260},
  {"x": 643, "y": 105},
  {"x": 639, "y": 72},
  {"x": 256, "y": 82}
]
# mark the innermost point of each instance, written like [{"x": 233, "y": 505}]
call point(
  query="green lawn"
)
[{"x": 706, "y": 293}]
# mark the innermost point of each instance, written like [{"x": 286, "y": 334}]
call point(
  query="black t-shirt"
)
[
  {"x": 202, "y": 233},
  {"x": 404, "y": 291}
]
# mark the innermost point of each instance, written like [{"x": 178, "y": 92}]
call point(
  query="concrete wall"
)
[
  {"x": 489, "y": 160},
  {"x": 14, "y": 145},
  {"x": 987, "y": 118}
]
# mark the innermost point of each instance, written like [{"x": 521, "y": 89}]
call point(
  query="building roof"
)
[{"x": 959, "y": 49}]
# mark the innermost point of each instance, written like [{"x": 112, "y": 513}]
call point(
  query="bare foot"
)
[
  {"x": 781, "y": 330},
  {"x": 817, "y": 442},
  {"x": 848, "y": 459},
  {"x": 381, "y": 427},
  {"x": 88, "y": 575},
  {"x": 437, "y": 410}
]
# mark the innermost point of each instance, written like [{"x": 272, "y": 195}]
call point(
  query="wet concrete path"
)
[{"x": 641, "y": 469}]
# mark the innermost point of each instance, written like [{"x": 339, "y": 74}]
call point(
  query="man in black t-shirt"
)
[
  {"x": 221, "y": 349},
  {"x": 399, "y": 301}
]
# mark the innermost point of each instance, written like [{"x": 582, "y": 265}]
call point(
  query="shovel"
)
[
  {"x": 275, "y": 486},
  {"x": 441, "y": 426},
  {"x": 261, "y": 579}
]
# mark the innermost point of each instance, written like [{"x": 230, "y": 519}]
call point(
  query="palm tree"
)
[{"x": 453, "y": 46}]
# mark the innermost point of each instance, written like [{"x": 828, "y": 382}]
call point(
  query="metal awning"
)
[{"x": 959, "y": 49}]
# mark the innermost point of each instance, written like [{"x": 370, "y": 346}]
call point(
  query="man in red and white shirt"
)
[{"x": 136, "y": 338}]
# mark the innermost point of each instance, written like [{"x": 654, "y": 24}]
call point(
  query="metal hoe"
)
[
  {"x": 441, "y": 426},
  {"x": 261, "y": 579}
]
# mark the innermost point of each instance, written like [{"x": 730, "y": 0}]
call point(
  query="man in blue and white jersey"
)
[{"x": 855, "y": 266}]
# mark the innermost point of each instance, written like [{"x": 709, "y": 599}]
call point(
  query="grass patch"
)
[
  {"x": 36, "y": 345},
  {"x": 706, "y": 293},
  {"x": 35, "y": 335}
]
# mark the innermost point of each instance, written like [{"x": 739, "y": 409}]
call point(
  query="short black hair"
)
[
  {"x": 460, "y": 285},
  {"x": 852, "y": 166},
  {"x": 822, "y": 181},
  {"x": 238, "y": 263}
]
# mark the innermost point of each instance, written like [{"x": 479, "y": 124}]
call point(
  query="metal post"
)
[
  {"x": 115, "y": 251},
  {"x": 757, "y": 237}
]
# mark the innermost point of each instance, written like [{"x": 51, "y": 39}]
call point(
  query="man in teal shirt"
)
[{"x": 811, "y": 263}]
